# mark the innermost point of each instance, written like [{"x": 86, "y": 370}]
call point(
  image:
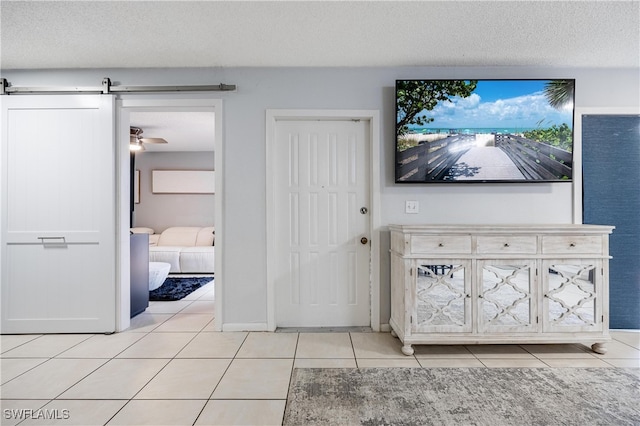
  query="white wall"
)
[
  {"x": 346, "y": 88},
  {"x": 160, "y": 211}
]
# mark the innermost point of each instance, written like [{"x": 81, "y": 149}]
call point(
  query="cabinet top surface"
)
[{"x": 510, "y": 229}]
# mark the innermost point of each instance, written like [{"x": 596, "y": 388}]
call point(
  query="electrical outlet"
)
[{"x": 411, "y": 207}]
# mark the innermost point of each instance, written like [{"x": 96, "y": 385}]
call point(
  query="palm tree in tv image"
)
[
  {"x": 559, "y": 93},
  {"x": 414, "y": 97}
]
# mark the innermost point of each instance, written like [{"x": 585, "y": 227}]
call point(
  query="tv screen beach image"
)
[{"x": 484, "y": 131}]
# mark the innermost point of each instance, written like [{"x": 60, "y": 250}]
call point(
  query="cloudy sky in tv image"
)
[{"x": 497, "y": 104}]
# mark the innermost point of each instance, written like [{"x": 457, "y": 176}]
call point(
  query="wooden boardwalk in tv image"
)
[{"x": 483, "y": 157}]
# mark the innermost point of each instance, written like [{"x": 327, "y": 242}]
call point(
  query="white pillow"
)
[
  {"x": 153, "y": 239},
  {"x": 142, "y": 230},
  {"x": 206, "y": 237}
]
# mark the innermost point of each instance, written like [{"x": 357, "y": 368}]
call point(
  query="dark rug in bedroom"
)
[
  {"x": 176, "y": 288},
  {"x": 463, "y": 396}
]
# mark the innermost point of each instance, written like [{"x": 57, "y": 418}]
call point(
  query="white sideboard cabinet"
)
[{"x": 477, "y": 284}]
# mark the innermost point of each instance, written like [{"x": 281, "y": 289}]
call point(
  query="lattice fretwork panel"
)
[
  {"x": 571, "y": 294},
  {"x": 506, "y": 298},
  {"x": 441, "y": 295}
]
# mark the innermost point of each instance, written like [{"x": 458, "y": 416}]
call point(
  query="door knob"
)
[
  {"x": 364, "y": 210},
  {"x": 364, "y": 240}
]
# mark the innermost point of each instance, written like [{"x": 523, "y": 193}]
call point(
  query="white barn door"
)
[
  {"x": 321, "y": 203},
  {"x": 58, "y": 214}
]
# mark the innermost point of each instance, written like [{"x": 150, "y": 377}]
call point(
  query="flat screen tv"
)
[{"x": 453, "y": 131}]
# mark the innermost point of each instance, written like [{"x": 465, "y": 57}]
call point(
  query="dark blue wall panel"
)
[{"x": 611, "y": 194}]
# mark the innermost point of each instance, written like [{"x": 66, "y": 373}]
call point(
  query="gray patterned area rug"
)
[{"x": 464, "y": 396}]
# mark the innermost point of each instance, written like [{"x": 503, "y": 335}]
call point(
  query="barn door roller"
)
[{"x": 107, "y": 88}]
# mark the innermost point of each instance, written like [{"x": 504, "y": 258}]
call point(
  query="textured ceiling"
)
[{"x": 134, "y": 34}]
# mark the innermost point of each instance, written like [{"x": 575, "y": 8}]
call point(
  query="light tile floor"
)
[{"x": 171, "y": 368}]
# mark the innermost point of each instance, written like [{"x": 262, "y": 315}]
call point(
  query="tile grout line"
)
[
  {"x": 293, "y": 366},
  {"x": 534, "y": 355},
  {"x": 624, "y": 343},
  {"x": 36, "y": 337},
  {"x": 26, "y": 371},
  {"x": 353, "y": 350}
]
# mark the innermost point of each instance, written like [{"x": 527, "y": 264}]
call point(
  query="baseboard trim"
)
[
  {"x": 262, "y": 326},
  {"x": 323, "y": 330},
  {"x": 258, "y": 326}
]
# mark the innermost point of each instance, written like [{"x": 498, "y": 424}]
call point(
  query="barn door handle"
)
[
  {"x": 53, "y": 242},
  {"x": 48, "y": 239}
]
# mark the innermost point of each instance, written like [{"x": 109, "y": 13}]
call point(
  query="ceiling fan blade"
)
[{"x": 153, "y": 140}]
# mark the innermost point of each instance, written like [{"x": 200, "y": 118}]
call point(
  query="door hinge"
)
[
  {"x": 411, "y": 319},
  {"x": 411, "y": 271},
  {"x": 602, "y": 318}
]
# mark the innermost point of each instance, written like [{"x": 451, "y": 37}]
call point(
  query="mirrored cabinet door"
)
[
  {"x": 442, "y": 296},
  {"x": 506, "y": 296},
  {"x": 572, "y": 295}
]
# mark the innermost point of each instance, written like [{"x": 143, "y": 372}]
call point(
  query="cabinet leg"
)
[
  {"x": 407, "y": 350},
  {"x": 393, "y": 333},
  {"x": 599, "y": 348}
]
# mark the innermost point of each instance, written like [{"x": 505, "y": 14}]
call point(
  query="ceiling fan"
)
[{"x": 136, "y": 140}]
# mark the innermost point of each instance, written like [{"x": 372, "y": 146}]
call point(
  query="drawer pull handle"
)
[
  {"x": 572, "y": 244},
  {"x": 440, "y": 245},
  {"x": 506, "y": 244},
  {"x": 480, "y": 296}
]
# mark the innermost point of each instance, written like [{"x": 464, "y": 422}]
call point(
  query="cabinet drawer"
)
[
  {"x": 568, "y": 244},
  {"x": 507, "y": 244},
  {"x": 445, "y": 244}
]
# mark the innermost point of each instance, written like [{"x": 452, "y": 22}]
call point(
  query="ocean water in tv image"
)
[
  {"x": 474, "y": 130},
  {"x": 484, "y": 131}
]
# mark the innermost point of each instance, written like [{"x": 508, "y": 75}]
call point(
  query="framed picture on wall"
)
[{"x": 183, "y": 181}]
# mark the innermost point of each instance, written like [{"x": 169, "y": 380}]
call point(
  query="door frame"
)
[
  {"x": 124, "y": 107},
  {"x": 373, "y": 117}
]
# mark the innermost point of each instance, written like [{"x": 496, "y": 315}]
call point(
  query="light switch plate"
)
[{"x": 411, "y": 207}]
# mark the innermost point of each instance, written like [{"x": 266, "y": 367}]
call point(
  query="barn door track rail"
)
[{"x": 108, "y": 88}]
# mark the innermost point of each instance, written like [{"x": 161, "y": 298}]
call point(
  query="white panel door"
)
[
  {"x": 58, "y": 214},
  {"x": 321, "y": 208}
]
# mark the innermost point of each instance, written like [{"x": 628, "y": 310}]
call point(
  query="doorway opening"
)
[{"x": 190, "y": 150}]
